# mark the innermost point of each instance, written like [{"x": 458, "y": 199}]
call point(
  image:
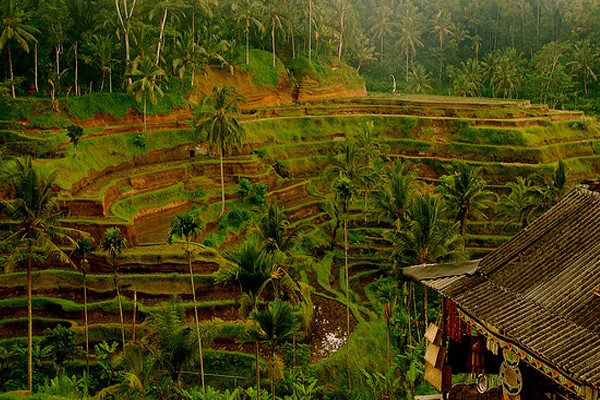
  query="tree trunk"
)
[
  {"x": 134, "y": 316},
  {"x": 87, "y": 333},
  {"x": 35, "y": 67},
  {"x": 425, "y": 306},
  {"x": 162, "y": 32},
  {"x": 310, "y": 31},
  {"x": 247, "y": 45},
  {"x": 273, "y": 372},
  {"x": 10, "y": 68},
  {"x": 344, "y": 5},
  {"x": 347, "y": 295},
  {"x": 197, "y": 321},
  {"x": 116, "y": 283},
  {"x": 76, "y": 71},
  {"x": 257, "y": 373},
  {"x": 145, "y": 126},
  {"x": 222, "y": 182},
  {"x": 273, "y": 42},
  {"x": 29, "y": 326}
]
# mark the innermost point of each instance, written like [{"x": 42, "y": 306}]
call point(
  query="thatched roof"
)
[{"x": 538, "y": 290}]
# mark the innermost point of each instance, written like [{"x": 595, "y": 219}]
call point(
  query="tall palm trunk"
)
[
  {"x": 247, "y": 44},
  {"x": 29, "y": 325},
  {"x": 116, "y": 284},
  {"x": 257, "y": 373},
  {"x": 310, "y": 31},
  {"x": 347, "y": 295},
  {"x": 10, "y": 68},
  {"x": 273, "y": 367},
  {"x": 87, "y": 332},
  {"x": 197, "y": 321},
  {"x": 222, "y": 182},
  {"x": 273, "y": 41},
  {"x": 145, "y": 101}
]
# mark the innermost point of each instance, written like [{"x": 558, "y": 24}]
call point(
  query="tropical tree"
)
[
  {"x": 272, "y": 327},
  {"x": 585, "y": 58},
  {"x": 549, "y": 189},
  {"x": 517, "y": 206},
  {"x": 125, "y": 15},
  {"x": 465, "y": 194},
  {"x": 145, "y": 73},
  {"x": 419, "y": 80},
  {"x": 426, "y": 239},
  {"x": 173, "y": 339},
  {"x": 34, "y": 214},
  {"x": 248, "y": 13},
  {"x": 84, "y": 247},
  {"x": 410, "y": 33},
  {"x": 102, "y": 49},
  {"x": 443, "y": 27},
  {"x": 216, "y": 116},
  {"x": 467, "y": 79},
  {"x": 345, "y": 192},
  {"x": 381, "y": 26},
  {"x": 113, "y": 243},
  {"x": 393, "y": 196},
  {"x": 274, "y": 230},
  {"x": 14, "y": 28},
  {"x": 187, "y": 226},
  {"x": 276, "y": 22},
  {"x": 74, "y": 132}
]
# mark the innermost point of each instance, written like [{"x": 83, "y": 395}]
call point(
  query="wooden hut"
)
[{"x": 529, "y": 312}]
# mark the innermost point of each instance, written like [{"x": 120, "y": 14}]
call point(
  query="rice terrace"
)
[{"x": 294, "y": 225}]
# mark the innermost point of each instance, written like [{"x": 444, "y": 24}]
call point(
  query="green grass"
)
[
  {"x": 99, "y": 153},
  {"x": 260, "y": 68}
]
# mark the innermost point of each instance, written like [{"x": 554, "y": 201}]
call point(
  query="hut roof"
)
[{"x": 540, "y": 289}]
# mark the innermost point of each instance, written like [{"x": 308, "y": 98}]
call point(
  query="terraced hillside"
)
[{"x": 113, "y": 181}]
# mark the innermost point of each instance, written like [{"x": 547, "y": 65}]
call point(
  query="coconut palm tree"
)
[
  {"x": 113, "y": 243},
  {"x": 276, "y": 22},
  {"x": 465, "y": 194},
  {"x": 419, "y": 80},
  {"x": 34, "y": 214},
  {"x": 248, "y": 14},
  {"x": 272, "y": 327},
  {"x": 393, "y": 197},
  {"x": 187, "y": 226},
  {"x": 216, "y": 116},
  {"x": 585, "y": 58},
  {"x": 345, "y": 192},
  {"x": 14, "y": 28},
  {"x": 274, "y": 230},
  {"x": 144, "y": 86},
  {"x": 517, "y": 206},
  {"x": 84, "y": 247},
  {"x": 410, "y": 33},
  {"x": 443, "y": 27},
  {"x": 381, "y": 26},
  {"x": 427, "y": 238}
]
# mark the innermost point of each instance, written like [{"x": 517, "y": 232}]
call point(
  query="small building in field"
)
[{"x": 528, "y": 313}]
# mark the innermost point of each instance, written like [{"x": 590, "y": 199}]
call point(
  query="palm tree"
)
[
  {"x": 277, "y": 20},
  {"x": 247, "y": 11},
  {"x": 381, "y": 26},
  {"x": 273, "y": 230},
  {"x": 113, "y": 243},
  {"x": 585, "y": 57},
  {"x": 410, "y": 33},
  {"x": 443, "y": 27},
  {"x": 419, "y": 80},
  {"x": 14, "y": 28},
  {"x": 258, "y": 272},
  {"x": 173, "y": 339},
  {"x": 427, "y": 238},
  {"x": 466, "y": 80},
  {"x": 34, "y": 214},
  {"x": 394, "y": 195},
  {"x": 217, "y": 116},
  {"x": 518, "y": 206},
  {"x": 345, "y": 192},
  {"x": 102, "y": 50},
  {"x": 187, "y": 226},
  {"x": 464, "y": 192},
  {"x": 144, "y": 86},
  {"x": 272, "y": 327},
  {"x": 84, "y": 247}
]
